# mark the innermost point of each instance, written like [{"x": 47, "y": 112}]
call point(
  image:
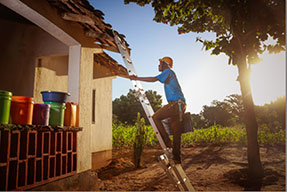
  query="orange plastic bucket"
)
[
  {"x": 21, "y": 111},
  {"x": 71, "y": 114}
]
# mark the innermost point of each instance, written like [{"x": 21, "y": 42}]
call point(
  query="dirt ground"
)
[{"x": 209, "y": 168}]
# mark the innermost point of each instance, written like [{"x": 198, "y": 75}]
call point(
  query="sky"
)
[{"x": 203, "y": 77}]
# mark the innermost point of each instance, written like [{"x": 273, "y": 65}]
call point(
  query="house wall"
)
[
  {"x": 20, "y": 45},
  {"x": 103, "y": 115},
  {"x": 102, "y": 128},
  {"x": 95, "y": 141},
  {"x": 95, "y": 138},
  {"x": 51, "y": 73},
  {"x": 85, "y": 102}
]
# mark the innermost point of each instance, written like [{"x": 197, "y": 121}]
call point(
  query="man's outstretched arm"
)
[{"x": 146, "y": 79}]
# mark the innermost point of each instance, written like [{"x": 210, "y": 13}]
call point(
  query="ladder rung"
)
[
  {"x": 144, "y": 102},
  {"x": 129, "y": 61},
  {"x": 123, "y": 46},
  {"x": 118, "y": 38}
]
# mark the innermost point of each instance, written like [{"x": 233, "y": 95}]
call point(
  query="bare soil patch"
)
[{"x": 209, "y": 168}]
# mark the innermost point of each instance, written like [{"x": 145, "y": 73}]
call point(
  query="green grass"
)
[{"x": 124, "y": 136}]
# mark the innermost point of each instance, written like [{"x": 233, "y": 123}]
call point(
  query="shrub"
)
[{"x": 139, "y": 141}]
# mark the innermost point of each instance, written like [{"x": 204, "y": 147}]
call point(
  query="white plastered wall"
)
[
  {"x": 102, "y": 129},
  {"x": 51, "y": 73},
  {"x": 98, "y": 136}
]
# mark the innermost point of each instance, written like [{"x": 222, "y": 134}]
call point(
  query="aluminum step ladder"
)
[{"x": 174, "y": 171}]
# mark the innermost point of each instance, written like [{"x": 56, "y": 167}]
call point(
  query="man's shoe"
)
[
  {"x": 176, "y": 160},
  {"x": 168, "y": 144},
  {"x": 169, "y": 155}
]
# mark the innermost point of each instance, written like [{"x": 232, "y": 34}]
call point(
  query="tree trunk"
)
[{"x": 254, "y": 164}]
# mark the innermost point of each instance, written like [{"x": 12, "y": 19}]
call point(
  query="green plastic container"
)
[
  {"x": 5, "y": 103},
  {"x": 57, "y": 113}
]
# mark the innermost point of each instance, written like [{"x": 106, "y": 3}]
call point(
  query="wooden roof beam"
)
[
  {"x": 78, "y": 18},
  {"x": 109, "y": 48},
  {"x": 98, "y": 35}
]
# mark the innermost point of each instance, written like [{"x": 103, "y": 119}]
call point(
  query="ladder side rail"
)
[
  {"x": 178, "y": 173},
  {"x": 171, "y": 171},
  {"x": 170, "y": 175},
  {"x": 180, "y": 178},
  {"x": 148, "y": 110},
  {"x": 182, "y": 174},
  {"x": 131, "y": 69},
  {"x": 128, "y": 63}
]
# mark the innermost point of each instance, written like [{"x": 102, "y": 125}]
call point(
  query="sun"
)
[{"x": 268, "y": 78}]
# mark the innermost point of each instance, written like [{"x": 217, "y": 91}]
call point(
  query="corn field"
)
[{"x": 124, "y": 136}]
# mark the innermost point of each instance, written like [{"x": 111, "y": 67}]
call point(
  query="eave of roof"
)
[
  {"x": 90, "y": 19},
  {"x": 92, "y": 22},
  {"x": 115, "y": 68}
]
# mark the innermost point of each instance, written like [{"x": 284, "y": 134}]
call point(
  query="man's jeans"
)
[{"x": 171, "y": 110}]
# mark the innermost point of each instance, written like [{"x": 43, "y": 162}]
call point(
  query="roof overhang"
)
[
  {"x": 109, "y": 67},
  {"x": 73, "y": 22}
]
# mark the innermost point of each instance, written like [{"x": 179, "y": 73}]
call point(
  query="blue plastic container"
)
[{"x": 54, "y": 96}]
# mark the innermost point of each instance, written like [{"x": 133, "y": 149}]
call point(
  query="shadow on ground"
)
[{"x": 240, "y": 177}]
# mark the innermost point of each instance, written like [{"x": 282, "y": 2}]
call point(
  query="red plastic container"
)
[
  {"x": 41, "y": 114},
  {"x": 21, "y": 111}
]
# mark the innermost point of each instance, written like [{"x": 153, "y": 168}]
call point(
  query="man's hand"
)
[{"x": 133, "y": 77}]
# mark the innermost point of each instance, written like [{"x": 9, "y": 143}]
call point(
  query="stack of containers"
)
[
  {"x": 56, "y": 100},
  {"x": 22, "y": 110}
]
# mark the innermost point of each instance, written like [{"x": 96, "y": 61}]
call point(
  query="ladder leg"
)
[
  {"x": 186, "y": 180},
  {"x": 170, "y": 173},
  {"x": 178, "y": 175}
]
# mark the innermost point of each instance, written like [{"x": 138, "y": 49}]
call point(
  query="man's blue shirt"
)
[{"x": 172, "y": 88}]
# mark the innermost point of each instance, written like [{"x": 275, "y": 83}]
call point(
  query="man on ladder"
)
[{"x": 174, "y": 109}]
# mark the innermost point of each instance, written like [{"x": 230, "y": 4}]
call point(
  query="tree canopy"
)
[
  {"x": 230, "y": 113},
  {"x": 241, "y": 26},
  {"x": 218, "y": 112},
  {"x": 272, "y": 115},
  {"x": 125, "y": 108}
]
